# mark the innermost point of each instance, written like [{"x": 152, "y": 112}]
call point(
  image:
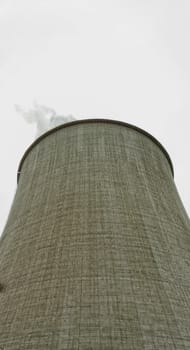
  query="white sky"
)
[{"x": 119, "y": 59}]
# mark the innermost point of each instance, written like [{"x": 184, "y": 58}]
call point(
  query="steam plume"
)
[{"x": 44, "y": 117}]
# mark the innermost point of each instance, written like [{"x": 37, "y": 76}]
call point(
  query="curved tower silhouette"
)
[{"x": 95, "y": 254}]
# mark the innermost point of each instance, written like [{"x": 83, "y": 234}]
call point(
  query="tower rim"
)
[{"x": 94, "y": 120}]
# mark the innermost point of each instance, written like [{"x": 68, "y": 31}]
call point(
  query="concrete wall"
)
[{"x": 96, "y": 251}]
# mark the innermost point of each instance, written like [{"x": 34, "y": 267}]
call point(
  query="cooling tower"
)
[{"x": 95, "y": 254}]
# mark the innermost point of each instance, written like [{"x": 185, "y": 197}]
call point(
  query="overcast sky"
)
[{"x": 120, "y": 59}]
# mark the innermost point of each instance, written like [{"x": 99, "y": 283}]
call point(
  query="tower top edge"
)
[{"x": 94, "y": 120}]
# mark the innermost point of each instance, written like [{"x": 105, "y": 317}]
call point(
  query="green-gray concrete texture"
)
[{"x": 96, "y": 251}]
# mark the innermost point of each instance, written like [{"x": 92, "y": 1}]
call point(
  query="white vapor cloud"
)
[{"x": 44, "y": 117}]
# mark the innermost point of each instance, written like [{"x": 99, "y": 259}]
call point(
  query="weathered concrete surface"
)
[{"x": 96, "y": 251}]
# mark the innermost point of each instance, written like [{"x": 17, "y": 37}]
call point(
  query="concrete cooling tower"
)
[{"x": 95, "y": 254}]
